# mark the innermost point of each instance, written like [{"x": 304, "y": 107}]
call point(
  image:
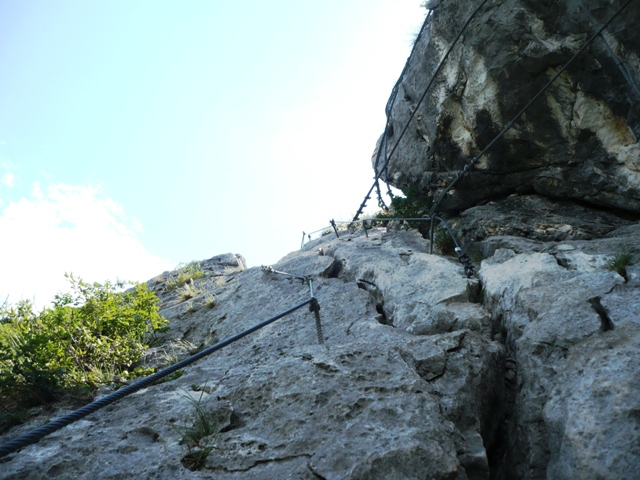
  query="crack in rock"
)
[{"x": 607, "y": 323}]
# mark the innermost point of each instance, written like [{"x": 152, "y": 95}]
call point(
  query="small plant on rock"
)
[
  {"x": 210, "y": 301},
  {"x": 200, "y": 436},
  {"x": 189, "y": 290},
  {"x": 620, "y": 262},
  {"x": 444, "y": 241},
  {"x": 185, "y": 274}
]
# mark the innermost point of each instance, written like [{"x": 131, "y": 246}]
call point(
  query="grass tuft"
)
[
  {"x": 619, "y": 263},
  {"x": 185, "y": 274},
  {"x": 443, "y": 241},
  {"x": 199, "y": 436},
  {"x": 189, "y": 290},
  {"x": 210, "y": 301}
]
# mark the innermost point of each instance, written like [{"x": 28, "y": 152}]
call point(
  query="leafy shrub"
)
[
  {"x": 412, "y": 205},
  {"x": 186, "y": 273},
  {"x": 86, "y": 338}
]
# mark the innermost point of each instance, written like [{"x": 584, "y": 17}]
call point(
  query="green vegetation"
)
[
  {"x": 186, "y": 273},
  {"x": 412, "y": 205},
  {"x": 620, "y": 262},
  {"x": 210, "y": 300},
  {"x": 84, "y": 340},
  {"x": 443, "y": 241},
  {"x": 189, "y": 290},
  {"x": 200, "y": 435}
]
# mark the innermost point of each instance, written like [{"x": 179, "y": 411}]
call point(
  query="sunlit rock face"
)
[{"x": 578, "y": 140}]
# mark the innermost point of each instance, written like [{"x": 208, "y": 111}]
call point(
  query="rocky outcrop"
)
[
  {"x": 528, "y": 371},
  {"x": 578, "y": 141}
]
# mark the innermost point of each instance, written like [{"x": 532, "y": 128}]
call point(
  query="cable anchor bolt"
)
[{"x": 335, "y": 228}]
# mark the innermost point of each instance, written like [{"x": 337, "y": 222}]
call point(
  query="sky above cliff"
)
[{"x": 137, "y": 135}]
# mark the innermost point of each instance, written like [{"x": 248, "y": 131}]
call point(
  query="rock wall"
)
[
  {"x": 426, "y": 374},
  {"x": 529, "y": 370},
  {"x": 578, "y": 141}
]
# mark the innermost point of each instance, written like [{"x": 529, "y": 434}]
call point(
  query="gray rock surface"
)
[
  {"x": 579, "y": 140},
  {"x": 549, "y": 313},
  {"x": 593, "y": 403},
  {"x": 422, "y": 376},
  {"x": 537, "y": 218},
  {"x": 379, "y": 402}
]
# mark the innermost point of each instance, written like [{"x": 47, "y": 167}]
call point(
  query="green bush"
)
[
  {"x": 86, "y": 338},
  {"x": 412, "y": 205}
]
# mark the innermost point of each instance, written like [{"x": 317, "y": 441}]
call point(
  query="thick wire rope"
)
[
  {"x": 404, "y": 130},
  {"x": 525, "y": 108}
]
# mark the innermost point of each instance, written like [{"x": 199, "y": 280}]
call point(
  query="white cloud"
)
[
  {"x": 36, "y": 191},
  {"x": 8, "y": 179},
  {"x": 68, "y": 229}
]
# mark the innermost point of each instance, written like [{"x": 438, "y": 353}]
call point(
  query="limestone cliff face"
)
[
  {"x": 528, "y": 370},
  {"x": 579, "y": 140}
]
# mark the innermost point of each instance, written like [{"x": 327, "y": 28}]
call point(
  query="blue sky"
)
[{"x": 135, "y": 135}]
